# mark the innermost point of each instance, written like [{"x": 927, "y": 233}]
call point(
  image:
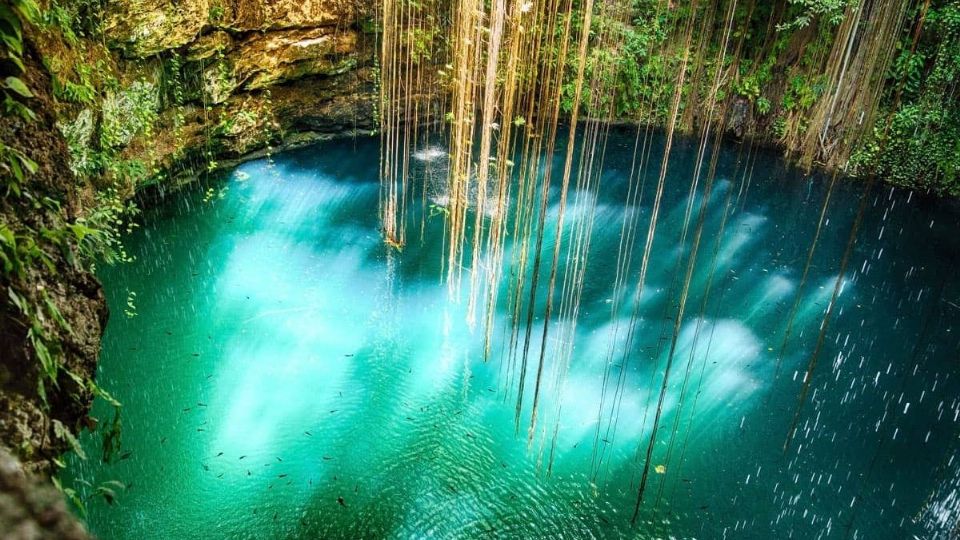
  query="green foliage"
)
[
  {"x": 212, "y": 194},
  {"x": 94, "y": 237},
  {"x": 215, "y": 14},
  {"x": 27, "y": 251},
  {"x": 45, "y": 345},
  {"x": 802, "y": 93},
  {"x": 232, "y": 124},
  {"x": 98, "y": 235},
  {"x": 916, "y": 141},
  {"x": 82, "y": 92},
  {"x": 370, "y": 25},
  {"x": 218, "y": 80},
  {"x": 751, "y": 83},
  {"x": 423, "y": 42},
  {"x": 127, "y": 113},
  {"x": 96, "y": 148},
  {"x": 72, "y": 92},
  {"x": 908, "y": 68},
  {"x": 81, "y": 242},
  {"x": 919, "y": 149},
  {"x": 806, "y": 11},
  {"x": 73, "y": 19},
  {"x": 19, "y": 252},
  {"x": 172, "y": 92},
  {"x": 630, "y": 76},
  {"x": 763, "y": 105},
  {"x": 748, "y": 87},
  {"x": 13, "y": 90},
  {"x": 15, "y": 166},
  {"x": 59, "y": 18}
]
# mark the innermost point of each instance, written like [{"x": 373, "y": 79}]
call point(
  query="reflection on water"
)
[{"x": 286, "y": 375}]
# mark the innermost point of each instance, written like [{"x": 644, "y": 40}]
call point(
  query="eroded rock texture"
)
[
  {"x": 32, "y": 427},
  {"x": 254, "y": 72},
  {"x": 32, "y": 509},
  {"x": 27, "y": 426}
]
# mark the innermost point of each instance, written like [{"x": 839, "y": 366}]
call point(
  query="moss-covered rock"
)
[
  {"x": 141, "y": 28},
  {"x": 264, "y": 60}
]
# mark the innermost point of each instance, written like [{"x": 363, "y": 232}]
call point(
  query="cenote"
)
[{"x": 285, "y": 374}]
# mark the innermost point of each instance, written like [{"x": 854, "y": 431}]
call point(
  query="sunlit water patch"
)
[{"x": 284, "y": 374}]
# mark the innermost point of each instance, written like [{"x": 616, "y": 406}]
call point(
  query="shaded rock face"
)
[
  {"x": 26, "y": 426},
  {"x": 263, "y": 60},
  {"x": 31, "y": 509},
  {"x": 247, "y": 44},
  {"x": 738, "y": 118},
  {"x": 30, "y": 506},
  {"x": 258, "y": 73},
  {"x": 142, "y": 28}
]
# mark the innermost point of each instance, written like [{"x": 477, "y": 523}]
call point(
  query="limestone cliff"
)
[
  {"x": 219, "y": 79},
  {"x": 72, "y": 303}
]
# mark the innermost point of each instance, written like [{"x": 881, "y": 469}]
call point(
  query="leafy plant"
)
[
  {"x": 73, "y": 19},
  {"x": 13, "y": 90},
  {"x": 801, "y": 93},
  {"x": 215, "y": 14},
  {"x": 15, "y": 166},
  {"x": 763, "y": 105},
  {"x": 748, "y": 87},
  {"x": 82, "y": 92},
  {"x": 807, "y": 11},
  {"x": 129, "y": 112}
]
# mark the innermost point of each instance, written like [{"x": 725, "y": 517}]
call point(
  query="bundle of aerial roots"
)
[{"x": 489, "y": 79}]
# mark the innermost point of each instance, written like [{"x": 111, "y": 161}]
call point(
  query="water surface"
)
[{"x": 283, "y": 374}]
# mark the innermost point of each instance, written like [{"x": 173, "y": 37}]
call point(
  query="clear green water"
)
[{"x": 280, "y": 358}]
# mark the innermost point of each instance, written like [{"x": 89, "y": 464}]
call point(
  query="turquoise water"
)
[{"x": 285, "y": 375}]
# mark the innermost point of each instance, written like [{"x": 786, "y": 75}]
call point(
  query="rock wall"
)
[
  {"x": 38, "y": 415},
  {"x": 243, "y": 45},
  {"x": 31, "y": 509},
  {"x": 143, "y": 28},
  {"x": 303, "y": 65},
  {"x": 230, "y": 77},
  {"x": 27, "y": 426}
]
